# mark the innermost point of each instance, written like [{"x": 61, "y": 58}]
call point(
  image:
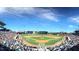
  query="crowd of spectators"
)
[
  {"x": 10, "y": 41},
  {"x": 71, "y": 43}
]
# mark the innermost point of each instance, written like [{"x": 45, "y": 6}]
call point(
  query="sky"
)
[{"x": 51, "y": 19}]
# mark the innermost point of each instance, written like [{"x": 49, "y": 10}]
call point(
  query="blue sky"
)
[{"x": 40, "y": 19}]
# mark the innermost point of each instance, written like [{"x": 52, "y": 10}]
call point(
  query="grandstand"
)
[{"x": 36, "y": 41}]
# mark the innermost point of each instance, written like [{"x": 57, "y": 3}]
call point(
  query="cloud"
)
[
  {"x": 2, "y": 10},
  {"x": 49, "y": 16},
  {"x": 71, "y": 26},
  {"x": 75, "y": 19},
  {"x": 43, "y": 13}
]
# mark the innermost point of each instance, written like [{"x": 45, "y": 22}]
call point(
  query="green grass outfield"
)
[{"x": 33, "y": 39}]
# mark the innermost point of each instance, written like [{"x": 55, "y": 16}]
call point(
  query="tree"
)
[{"x": 42, "y": 32}]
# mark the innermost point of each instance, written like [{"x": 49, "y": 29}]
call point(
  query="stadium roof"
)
[{"x": 2, "y": 23}]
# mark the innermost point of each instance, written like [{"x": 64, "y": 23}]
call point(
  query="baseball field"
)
[{"x": 46, "y": 40}]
